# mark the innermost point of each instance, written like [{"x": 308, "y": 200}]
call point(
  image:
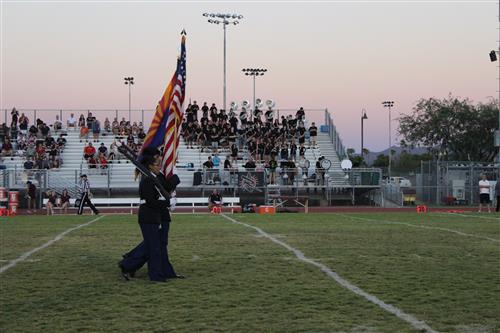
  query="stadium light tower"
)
[
  {"x": 389, "y": 104},
  {"x": 254, "y": 72},
  {"x": 363, "y": 117},
  {"x": 493, "y": 58},
  {"x": 224, "y": 19},
  {"x": 129, "y": 81}
]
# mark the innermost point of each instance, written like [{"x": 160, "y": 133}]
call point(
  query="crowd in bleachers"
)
[
  {"x": 92, "y": 126},
  {"x": 257, "y": 137},
  {"x": 124, "y": 131},
  {"x": 40, "y": 145},
  {"x": 262, "y": 134}
]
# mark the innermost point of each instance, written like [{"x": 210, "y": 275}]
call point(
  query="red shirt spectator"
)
[{"x": 88, "y": 151}]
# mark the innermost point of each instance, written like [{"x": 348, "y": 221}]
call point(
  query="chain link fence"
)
[{"x": 453, "y": 182}]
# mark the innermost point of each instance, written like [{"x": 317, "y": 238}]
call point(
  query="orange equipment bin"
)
[{"x": 267, "y": 210}]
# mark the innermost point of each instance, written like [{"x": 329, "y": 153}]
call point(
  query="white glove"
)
[{"x": 173, "y": 202}]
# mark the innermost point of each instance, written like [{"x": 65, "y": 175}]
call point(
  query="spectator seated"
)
[{"x": 89, "y": 151}]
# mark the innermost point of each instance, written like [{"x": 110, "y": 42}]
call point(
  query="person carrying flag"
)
[
  {"x": 164, "y": 132},
  {"x": 136, "y": 258}
]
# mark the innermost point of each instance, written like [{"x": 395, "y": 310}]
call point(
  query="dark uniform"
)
[
  {"x": 150, "y": 217},
  {"x": 135, "y": 259}
]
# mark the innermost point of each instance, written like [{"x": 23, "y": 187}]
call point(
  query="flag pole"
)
[{"x": 174, "y": 162}]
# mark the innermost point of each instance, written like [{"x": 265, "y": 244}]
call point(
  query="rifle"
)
[{"x": 132, "y": 157}]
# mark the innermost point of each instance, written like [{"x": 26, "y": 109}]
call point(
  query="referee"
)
[{"x": 84, "y": 190}]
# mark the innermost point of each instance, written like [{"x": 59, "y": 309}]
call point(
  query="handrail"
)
[
  {"x": 116, "y": 113},
  {"x": 335, "y": 136}
]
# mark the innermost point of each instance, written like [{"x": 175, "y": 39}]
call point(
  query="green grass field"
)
[{"x": 443, "y": 270}]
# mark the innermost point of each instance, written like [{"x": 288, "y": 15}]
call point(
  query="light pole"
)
[
  {"x": 363, "y": 117},
  {"x": 254, "y": 72},
  {"x": 129, "y": 81},
  {"x": 224, "y": 19},
  {"x": 493, "y": 57},
  {"x": 389, "y": 104}
]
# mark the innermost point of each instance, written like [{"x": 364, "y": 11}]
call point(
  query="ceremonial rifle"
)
[{"x": 132, "y": 157}]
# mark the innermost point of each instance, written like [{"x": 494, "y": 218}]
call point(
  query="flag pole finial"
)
[{"x": 183, "y": 32}]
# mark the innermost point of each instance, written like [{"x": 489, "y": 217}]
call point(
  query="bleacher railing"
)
[
  {"x": 393, "y": 193},
  {"x": 143, "y": 115},
  {"x": 103, "y": 179},
  {"x": 288, "y": 183},
  {"x": 335, "y": 136},
  {"x": 364, "y": 176},
  {"x": 49, "y": 115}
]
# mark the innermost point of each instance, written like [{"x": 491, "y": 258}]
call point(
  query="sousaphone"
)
[
  {"x": 232, "y": 108},
  {"x": 258, "y": 104}
]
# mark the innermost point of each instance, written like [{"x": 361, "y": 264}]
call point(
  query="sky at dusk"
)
[{"x": 343, "y": 56}]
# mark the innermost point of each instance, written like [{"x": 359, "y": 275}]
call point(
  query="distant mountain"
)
[{"x": 372, "y": 156}]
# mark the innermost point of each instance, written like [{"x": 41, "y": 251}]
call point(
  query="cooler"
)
[
  {"x": 13, "y": 202},
  {"x": 13, "y": 208},
  {"x": 3, "y": 201},
  {"x": 14, "y": 197}
]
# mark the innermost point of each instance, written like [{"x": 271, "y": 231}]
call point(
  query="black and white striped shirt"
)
[{"x": 84, "y": 186}]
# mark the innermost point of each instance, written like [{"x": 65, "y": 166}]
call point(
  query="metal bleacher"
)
[{"x": 121, "y": 171}]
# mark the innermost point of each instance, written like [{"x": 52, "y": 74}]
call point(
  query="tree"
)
[
  {"x": 452, "y": 126},
  {"x": 410, "y": 162},
  {"x": 358, "y": 160},
  {"x": 382, "y": 161}
]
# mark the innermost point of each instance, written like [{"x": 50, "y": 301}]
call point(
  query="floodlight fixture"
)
[
  {"x": 254, "y": 72},
  {"x": 225, "y": 19},
  {"x": 389, "y": 105},
  {"x": 129, "y": 81}
]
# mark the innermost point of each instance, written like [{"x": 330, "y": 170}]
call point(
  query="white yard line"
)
[
  {"x": 24, "y": 256},
  {"x": 416, "y": 323},
  {"x": 473, "y": 216},
  {"x": 423, "y": 227}
]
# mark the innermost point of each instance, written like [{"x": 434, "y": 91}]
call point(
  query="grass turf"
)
[{"x": 239, "y": 281}]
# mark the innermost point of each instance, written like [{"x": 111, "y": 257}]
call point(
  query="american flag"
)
[
  {"x": 175, "y": 107},
  {"x": 165, "y": 126}
]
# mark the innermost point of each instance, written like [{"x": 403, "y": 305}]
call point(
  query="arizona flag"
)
[{"x": 165, "y": 126}]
